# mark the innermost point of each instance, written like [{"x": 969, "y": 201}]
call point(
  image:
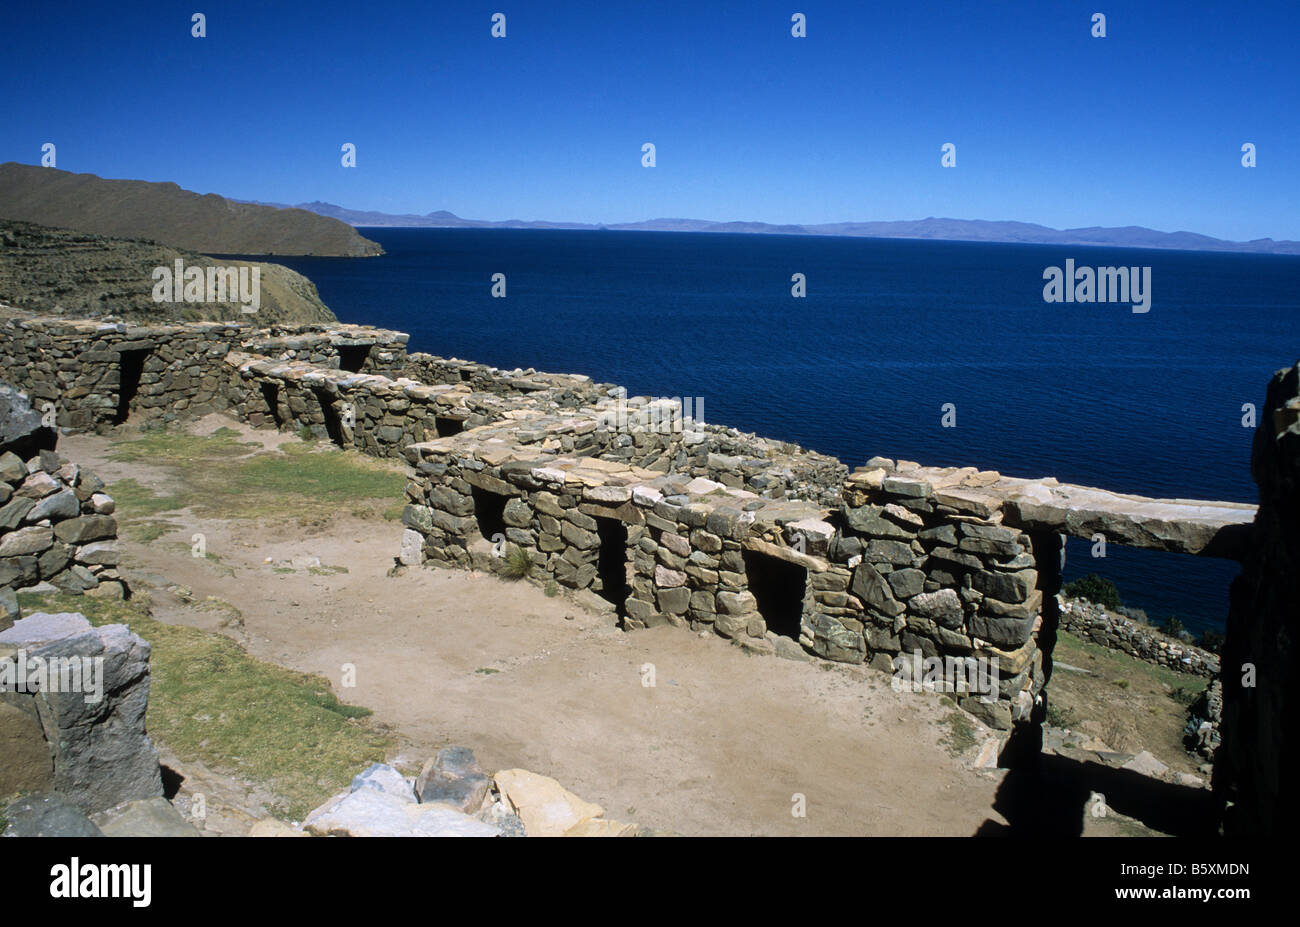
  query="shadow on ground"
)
[{"x": 1045, "y": 795}]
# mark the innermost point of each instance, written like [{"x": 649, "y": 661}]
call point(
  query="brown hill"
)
[
  {"x": 64, "y": 272},
  {"x": 165, "y": 213}
]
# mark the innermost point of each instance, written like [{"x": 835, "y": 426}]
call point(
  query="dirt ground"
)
[{"x": 720, "y": 745}]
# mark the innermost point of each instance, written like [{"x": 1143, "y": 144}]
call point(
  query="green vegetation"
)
[
  {"x": 516, "y": 564},
  {"x": 225, "y": 477},
  {"x": 1211, "y": 640},
  {"x": 551, "y": 589},
  {"x": 1115, "y": 664},
  {"x": 211, "y": 700},
  {"x": 1187, "y": 695},
  {"x": 1060, "y": 717},
  {"x": 1094, "y": 588},
  {"x": 960, "y": 735},
  {"x": 140, "y": 500}
]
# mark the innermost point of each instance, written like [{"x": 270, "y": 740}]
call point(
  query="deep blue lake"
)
[{"x": 888, "y": 333}]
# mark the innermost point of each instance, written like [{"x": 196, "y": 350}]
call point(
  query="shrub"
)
[
  {"x": 516, "y": 564},
  {"x": 1211, "y": 640},
  {"x": 1094, "y": 588},
  {"x": 1173, "y": 627}
]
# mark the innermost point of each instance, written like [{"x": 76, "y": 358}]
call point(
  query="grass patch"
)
[
  {"x": 960, "y": 734},
  {"x": 177, "y": 447},
  {"x": 1060, "y": 717},
  {"x": 138, "y": 501},
  {"x": 212, "y": 701},
  {"x": 146, "y": 532},
  {"x": 1128, "y": 703},
  {"x": 1119, "y": 665},
  {"x": 226, "y": 478}
]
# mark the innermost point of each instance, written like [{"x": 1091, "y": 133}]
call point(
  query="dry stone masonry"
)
[
  {"x": 670, "y": 520},
  {"x": 1114, "y": 631},
  {"x": 56, "y": 522}
]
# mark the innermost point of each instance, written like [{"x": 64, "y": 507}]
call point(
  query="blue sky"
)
[{"x": 1051, "y": 125}]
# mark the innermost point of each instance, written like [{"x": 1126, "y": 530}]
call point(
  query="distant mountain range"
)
[
  {"x": 164, "y": 213},
  {"x": 1129, "y": 236}
]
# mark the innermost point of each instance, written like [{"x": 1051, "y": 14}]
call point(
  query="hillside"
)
[
  {"x": 59, "y": 271},
  {"x": 165, "y": 213}
]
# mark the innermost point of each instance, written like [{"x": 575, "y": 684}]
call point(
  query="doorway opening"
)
[
  {"x": 611, "y": 563},
  {"x": 271, "y": 393},
  {"x": 779, "y": 588},
  {"x": 130, "y": 369},
  {"x": 489, "y": 513},
  {"x": 352, "y": 357},
  {"x": 446, "y": 427},
  {"x": 333, "y": 426}
]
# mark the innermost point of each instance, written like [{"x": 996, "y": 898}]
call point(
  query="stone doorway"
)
[
  {"x": 352, "y": 357},
  {"x": 612, "y": 563},
  {"x": 779, "y": 588},
  {"x": 489, "y": 513},
  {"x": 130, "y": 370}
]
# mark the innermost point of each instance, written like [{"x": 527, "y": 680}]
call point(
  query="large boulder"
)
[
  {"x": 44, "y": 815},
  {"x": 370, "y": 812},
  {"x": 453, "y": 778},
  {"x": 547, "y": 808},
  {"x": 21, "y": 430},
  {"x": 89, "y": 689}
]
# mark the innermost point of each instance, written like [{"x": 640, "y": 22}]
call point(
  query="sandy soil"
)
[{"x": 720, "y": 745}]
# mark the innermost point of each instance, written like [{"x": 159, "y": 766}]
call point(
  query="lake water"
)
[{"x": 889, "y": 332}]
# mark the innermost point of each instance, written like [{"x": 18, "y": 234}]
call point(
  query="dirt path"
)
[{"x": 720, "y": 745}]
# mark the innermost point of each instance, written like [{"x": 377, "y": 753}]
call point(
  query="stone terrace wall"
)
[
  {"x": 357, "y": 349},
  {"x": 570, "y": 390},
  {"x": 1108, "y": 629},
  {"x": 56, "y": 523}
]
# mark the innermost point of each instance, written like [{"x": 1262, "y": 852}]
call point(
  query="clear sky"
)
[{"x": 1052, "y": 125}]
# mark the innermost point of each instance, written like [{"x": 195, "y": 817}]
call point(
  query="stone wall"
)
[
  {"x": 892, "y": 573},
  {"x": 672, "y": 520},
  {"x": 1108, "y": 629},
  {"x": 1256, "y": 768},
  {"x": 56, "y": 523},
  {"x": 98, "y": 374},
  {"x": 78, "y": 369}
]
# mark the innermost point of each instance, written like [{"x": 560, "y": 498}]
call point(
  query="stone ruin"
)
[
  {"x": 672, "y": 521},
  {"x": 72, "y": 697}
]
